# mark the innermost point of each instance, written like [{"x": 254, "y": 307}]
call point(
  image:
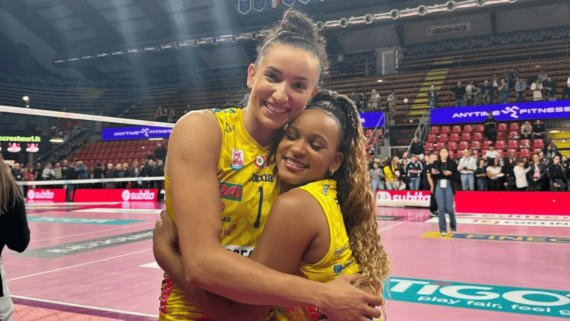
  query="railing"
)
[
  {"x": 423, "y": 129},
  {"x": 382, "y": 121},
  {"x": 47, "y": 156}
]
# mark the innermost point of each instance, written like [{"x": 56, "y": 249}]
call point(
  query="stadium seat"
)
[
  {"x": 513, "y": 134},
  {"x": 466, "y": 136},
  {"x": 479, "y": 128},
  {"x": 475, "y": 153},
  {"x": 454, "y": 137},
  {"x": 512, "y": 151},
  {"x": 525, "y": 152},
  {"x": 435, "y": 130},
  {"x": 429, "y": 147},
  {"x": 525, "y": 142},
  {"x": 487, "y": 143},
  {"x": 538, "y": 143},
  {"x": 516, "y": 127},
  {"x": 463, "y": 145},
  {"x": 456, "y": 129},
  {"x": 451, "y": 154},
  {"x": 502, "y": 127},
  {"x": 452, "y": 146},
  {"x": 459, "y": 153},
  {"x": 500, "y": 144},
  {"x": 445, "y": 130},
  {"x": 368, "y": 132},
  {"x": 513, "y": 144},
  {"x": 467, "y": 129},
  {"x": 478, "y": 137},
  {"x": 439, "y": 146},
  {"x": 501, "y": 135},
  {"x": 537, "y": 150},
  {"x": 432, "y": 138},
  {"x": 443, "y": 138}
]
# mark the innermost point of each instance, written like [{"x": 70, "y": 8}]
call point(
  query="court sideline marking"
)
[{"x": 391, "y": 226}]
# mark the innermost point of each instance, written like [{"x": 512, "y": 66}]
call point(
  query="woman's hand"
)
[
  {"x": 434, "y": 171},
  {"x": 165, "y": 232},
  {"x": 446, "y": 173}
]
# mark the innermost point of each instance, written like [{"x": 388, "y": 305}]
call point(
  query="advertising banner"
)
[
  {"x": 448, "y": 29},
  {"x": 403, "y": 198},
  {"x": 137, "y": 132},
  {"x": 45, "y": 195},
  {"x": 503, "y": 112},
  {"x": 541, "y": 203},
  {"x": 370, "y": 120},
  {"x": 116, "y": 195}
]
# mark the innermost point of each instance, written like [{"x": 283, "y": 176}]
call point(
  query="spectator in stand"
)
[
  {"x": 481, "y": 175},
  {"x": 459, "y": 93},
  {"x": 14, "y": 231},
  {"x": 414, "y": 170},
  {"x": 150, "y": 155},
  {"x": 526, "y": 131},
  {"x": 70, "y": 174},
  {"x": 550, "y": 88},
  {"x": 520, "y": 173},
  {"x": 375, "y": 174},
  {"x": 542, "y": 77},
  {"x": 187, "y": 109},
  {"x": 374, "y": 100},
  {"x": 392, "y": 105},
  {"x": 538, "y": 130},
  {"x": 537, "y": 173},
  {"x": 487, "y": 92},
  {"x": 98, "y": 173},
  {"x": 433, "y": 208},
  {"x": 160, "y": 152},
  {"x": 404, "y": 177},
  {"x": 417, "y": 148},
  {"x": 39, "y": 171},
  {"x": 491, "y": 155},
  {"x": 120, "y": 173},
  {"x": 557, "y": 175},
  {"x": 134, "y": 171},
  {"x": 48, "y": 174},
  {"x": 504, "y": 92},
  {"x": 566, "y": 92},
  {"x": 58, "y": 172},
  {"x": 509, "y": 164},
  {"x": 148, "y": 171},
  {"x": 490, "y": 127},
  {"x": 477, "y": 95},
  {"x": 469, "y": 93},
  {"x": 520, "y": 88},
  {"x": 171, "y": 115},
  {"x": 566, "y": 166},
  {"x": 496, "y": 84},
  {"x": 445, "y": 174},
  {"x": 358, "y": 100},
  {"x": 158, "y": 112},
  {"x": 536, "y": 89},
  {"x": 432, "y": 96},
  {"x": 467, "y": 166},
  {"x": 18, "y": 176},
  {"x": 109, "y": 173},
  {"x": 391, "y": 173},
  {"x": 494, "y": 175},
  {"x": 158, "y": 172}
]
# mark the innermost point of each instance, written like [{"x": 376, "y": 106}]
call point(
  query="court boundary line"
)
[
  {"x": 76, "y": 265},
  {"x": 88, "y": 307},
  {"x": 111, "y": 229},
  {"x": 391, "y": 226}
]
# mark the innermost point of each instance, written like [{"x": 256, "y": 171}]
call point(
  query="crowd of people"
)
[{"x": 372, "y": 101}]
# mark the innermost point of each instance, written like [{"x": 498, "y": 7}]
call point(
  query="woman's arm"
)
[
  {"x": 195, "y": 144},
  {"x": 19, "y": 232}
]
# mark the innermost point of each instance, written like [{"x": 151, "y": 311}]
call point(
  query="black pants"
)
[
  {"x": 432, "y": 203},
  {"x": 522, "y": 189},
  {"x": 494, "y": 184}
]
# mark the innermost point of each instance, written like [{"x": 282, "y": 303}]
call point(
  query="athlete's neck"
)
[{"x": 261, "y": 134}]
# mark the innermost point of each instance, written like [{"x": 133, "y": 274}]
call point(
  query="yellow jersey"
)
[
  {"x": 338, "y": 260},
  {"x": 248, "y": 189}
]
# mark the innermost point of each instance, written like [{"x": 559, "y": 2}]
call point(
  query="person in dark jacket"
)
[
  {"x": 70, "y": 174},
  {"x": 557, "y": 174},
  {"x": 417, "y": 148},
  {"x": 121, "y": 173},
  {"x": 508, "y": 170},
  {"x": 490, "y": 127},
  {"x": 537, "y": 173},
  {"x": 109, "y": 173},
  {"x": 14, "y": 231},
  {"x": 98, "y": 173},
  {"x": 160, "y": 152},
  {"x": 148, "y": 171},
  {"x": 445, "y": 175}
]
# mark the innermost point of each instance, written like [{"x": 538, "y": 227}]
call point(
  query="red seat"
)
[
  {"x": 525, "y": 152},
  {"x": 502, "y": 135},
  {"x": 514, "y": 127},
  {"x": 487, "y": 143},
  {"x": 464, "y": 145},
  {"x": 537, "y": 150},
  {"x": 512, "y": 151},
  {"x": 456, "y": 129},
  {"x": 513, "y": 134},
  {"x": 435, "y": 130},
  {"x": 513, "y": 144},
  {"x": 500, "y": 144},
  {"x": 451, "y": 154},
  {"x": 368, "y": 132},
  {"x": 467, "y": 129},
  {"x": 454, "y": 137},
  {"x": 445, "y": 130},
  {"x": 439, "y": 146},
  {"x": 466, "y": 136},
  {"x": 452, "y": 146},
  {"x": 525, "y": 142},
  {"x": 478, "y": 137},
  {"x": 443, "y": 138},
  {"x": 429, "y": 147},
  {"x": 475, "y": 153},
  {"x": 502, "y": 127},
  {"x": 479, "y": 128},
  {"x": 459, "y": 153},
  {"x": 538, "y": 143},
  {"x": 432, "y": 138}
]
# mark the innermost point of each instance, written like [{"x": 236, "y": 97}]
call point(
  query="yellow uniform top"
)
[
  {"x": 248, "y": 189},
  {"x": 337, "y": 261}
]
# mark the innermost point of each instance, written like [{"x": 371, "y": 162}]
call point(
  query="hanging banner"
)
[
  {"x": 244, "y": 6},
  {"x": 259, "y": 5},
  {"x": 288, "y": 3},
  {"x": 402, "y": 135},
  {"x": 136, "y": 132},
  {"x": 371, "y": 120},
  {"x": 448, "y": 29}
]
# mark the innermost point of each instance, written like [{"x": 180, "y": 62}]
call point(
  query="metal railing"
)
[{"x": 423, "y": 129}]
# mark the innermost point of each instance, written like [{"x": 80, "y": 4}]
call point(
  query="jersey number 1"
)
[{"x": 258, "y": 220}]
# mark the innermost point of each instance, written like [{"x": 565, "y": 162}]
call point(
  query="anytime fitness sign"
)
[
  {"x": 141, "y": 132},
  {"x": 504, "y": 112},
  {"x": 370, "y": 120}
]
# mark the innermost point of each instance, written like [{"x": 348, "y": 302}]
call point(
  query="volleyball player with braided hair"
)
[
  {"x": 324, "y": 224},
  {"x": 221, "y": 158}
]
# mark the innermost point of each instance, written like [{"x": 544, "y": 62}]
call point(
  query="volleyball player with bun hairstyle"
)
[
  {"x": 324, "y": 224},
  {"x": 219, "y": 188}
]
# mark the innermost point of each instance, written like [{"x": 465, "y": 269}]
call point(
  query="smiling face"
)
[
  {"x": 282, "y": 84},
  {"x": 309, "y": 150}
]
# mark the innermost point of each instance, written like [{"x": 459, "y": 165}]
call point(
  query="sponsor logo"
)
[
  {"x": 40, "y": 195},
  {"x": 408, "y": 196},
  {"x": 338, "y": 252},
  {"x": 337, "y": 269},
  {"x": 141, "y": 195},
  {"x": 539, "y": 302},
  {"x": 231, "y": 192},
  {"x": 228, "y": 129},
  {"x": 261, "y": 178},
  {"x": 32, "y": 148},
  {"x": 89, "y": 245},
  {"x": 260, "y": 161},
  {"x": 507, "y": 222},
  {"x": 388, "y": 218},
  {"x": 237, "y": 159},
  {"x": 135, "y": 132},
  {"x": 14, "y": 147},
  {"x": 503, "y": 238},
  {"x": 241, "y": 250},
  {"x": 326, "y": 189}
]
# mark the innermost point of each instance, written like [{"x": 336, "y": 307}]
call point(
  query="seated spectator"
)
[
  {"x": 469, "y": 94},
  {"x": 477, "y": 96},
  {"x": 566, "y": 92},
  {"x": 481, "y": 175},
  {"x": 550, "y": 89},
  {"x": 538, "y": 130},
  {"x": 504, "y": 92},
  {"x": 432, "y": 96},
  {"x": 537, "y": 173},
  {"x": 158, "y": 112},
  {"x": 150, "y": 155},
  {"x": 557, "y": 175},
  {"x": 358, "y": 100},
  {"x": 542, "y": 76},
  {"x": 526, "y": 131},
  {"x": 494, "y": 175},
  {"x": 520, "y": 175},
  {"x": 417, "y": 148},
  {"x": 520, "y": 87},
  {"x": 487, "y": 92},
  {"x": 536, "y": 89},
  {"x": 374, "y": 100},
  {"x": 459, "y": 93},
  {"x": 490, "y": 127}
]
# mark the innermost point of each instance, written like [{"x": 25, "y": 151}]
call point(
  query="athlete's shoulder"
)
[
  {"x": 298, "y": 208},
  {"x": 197, "y": 131}
]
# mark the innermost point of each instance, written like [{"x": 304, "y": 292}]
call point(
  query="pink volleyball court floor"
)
[{"x": 95, "y": 262}]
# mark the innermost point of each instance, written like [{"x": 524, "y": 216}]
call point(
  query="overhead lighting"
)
[
  {"x": 56, "y": 140},
  {"x": 169, "y": 46},
  {"x": 60, "y": 61},
  {"x": 133, "y": 50},
  {"x": 156, "y": 139},
  {"x": 117, "y": 53},
  {"x": 87, "y": 57},
  {"x": 380, "y": 80},
  {"x": 73, "y": 59},
  {"x": 150, "y": 48},
  {"x": 101, "y": 55},
  {"x": 26, "y": 98}
]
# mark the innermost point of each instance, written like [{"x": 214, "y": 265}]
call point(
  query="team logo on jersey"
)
[
  {"x": 326, "y": 189},
  {"x": 231, "y": 192},
  {"x": 337, "y": 269},
  {"x": 261, "y": 178},
  {"x": 237, "y": 159},
  {"x": 260, "y": 161},
  {"x": 228, "y": 129}
]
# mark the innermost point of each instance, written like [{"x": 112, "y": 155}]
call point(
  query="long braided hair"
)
[{"x": 354, "y": 193}]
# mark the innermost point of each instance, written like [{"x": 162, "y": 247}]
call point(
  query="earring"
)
[{"x": 332, "y": 172}]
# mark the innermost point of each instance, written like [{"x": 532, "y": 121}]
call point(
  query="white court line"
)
[
  {"x": 145, "y": 211},
  {"x": 391, "y": 226},
  {"x": 87, "y": 233},
  {"x": 85, "y": 306},
  {"x": 151, "y": 265},
  {"x": 76, "y": 265}
]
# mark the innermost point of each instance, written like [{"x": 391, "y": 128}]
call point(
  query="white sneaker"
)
[
  {"x": 453, "y": 232},
  {"x": 443, "y": 234}
]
